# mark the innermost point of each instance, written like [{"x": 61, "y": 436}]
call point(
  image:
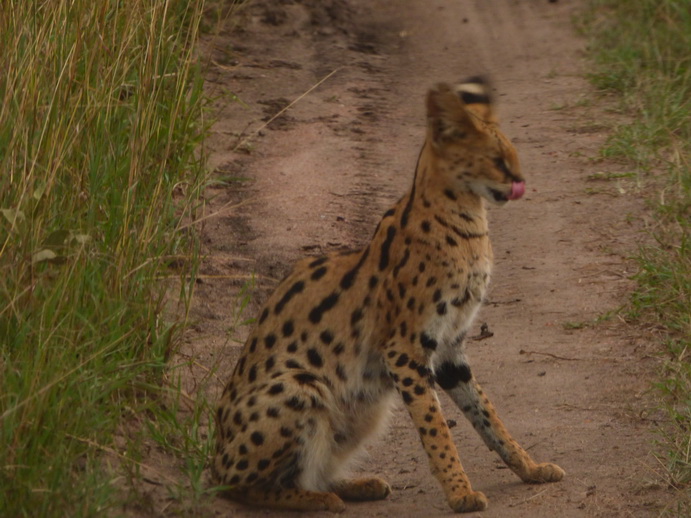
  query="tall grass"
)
[
  {"x": 642, "y": 51},
  {"x": 99, "y": 126}
]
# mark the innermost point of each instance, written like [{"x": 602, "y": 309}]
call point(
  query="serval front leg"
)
[
  {"x": 414, "y": 381},
  {"x": 455, "y": 377}
]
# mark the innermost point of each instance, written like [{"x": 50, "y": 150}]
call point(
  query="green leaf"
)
[
  {"x": 82, "y": 239},
  {"x": 57, "y": 238},
  {"x": 39, "y": 190},
  {"x": 43, "y": 255},
  {"x": 13, "y": 215}
]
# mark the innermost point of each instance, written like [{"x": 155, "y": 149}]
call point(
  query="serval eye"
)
[{"x": 503, "y": 166}]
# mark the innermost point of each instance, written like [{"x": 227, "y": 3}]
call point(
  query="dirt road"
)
[{"x": 318, "y": 177}]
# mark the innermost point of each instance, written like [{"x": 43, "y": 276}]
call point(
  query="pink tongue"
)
[{"x": 517, "y": 190}]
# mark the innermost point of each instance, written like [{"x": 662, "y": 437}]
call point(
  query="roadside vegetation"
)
[
  {"x": 101, "y": 120},
  {"x": 642, "y": 54}
]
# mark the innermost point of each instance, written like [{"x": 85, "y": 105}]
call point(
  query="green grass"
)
[
  {"x": 100, "y": 110},
  {"x": 642, "y": 55}
]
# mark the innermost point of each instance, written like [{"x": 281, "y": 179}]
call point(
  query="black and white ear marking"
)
[{"x": 474, "y": 90}]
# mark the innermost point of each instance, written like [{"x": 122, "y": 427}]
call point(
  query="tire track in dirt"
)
[{"x": 322, "y": 174}]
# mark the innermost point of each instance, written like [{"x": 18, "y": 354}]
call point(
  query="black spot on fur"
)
[
  {"x": 441, "y": 308},
  {"x": 295, "y": 289},
  {"x": 252, "y": 376},
  {"x": 403, "y": 329},
  {"x": 409, "y": 204},
  {"x": 276, "y": 388},
  {"x": 318, "y": 262},
  {"x": 356, "y": 316},
  {"x": 315, "y": 358},
  {"x": 263, "y": 316},
  {"x": 257, "y": 438},
  {"x": 451, "y": 241},
  {"x": 422, "y": 370},
  {"x": 270, "y": 362},
  {"x": 402, "y": 360},
  {"x": 449, "y": 375},
  {"x": 241, "y": 365},
  {"x": 426, "y": 226},
  {"x": 386, "y": 247},
  {"x": 326, "y": 337},
  {"x": 458, "y": 340},
  {"x": 338, "y": 350},
  {"x": 436, "y": 297},
  {"x": 466, "y": 217},
  {"x": 318, "y": 273},
  {"x": 349, "y": 278},
  {"x": 270, "y": 340},
  {"x": 295, "y": 403},
  {"x": 263, "y": 464},
  {"x": 467, "y": 235},
  {"x": 402, "y": 262},
  {"x": 288, "y": 328},
  {"x": 450, "y": 194},
  {"x": 458, "y": 302},
  {"x": 273, "y": 412},
  {"x": 253, "y": 345},
  {"x": 294, "y": 364},
  {"x": 242, "y": 465},
  {"x": 305, "y": 377},
  {"x": 341, "y": 373},
  {"x": 325, "y": 305},
  {"x": 428, "y": 342},
  {"x": 292, "y": 347}
]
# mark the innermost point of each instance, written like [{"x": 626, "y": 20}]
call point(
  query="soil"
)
[{"x": 319, "y": 118}]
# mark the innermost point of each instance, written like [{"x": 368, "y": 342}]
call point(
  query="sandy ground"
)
[{"x": 317, "y": 178}]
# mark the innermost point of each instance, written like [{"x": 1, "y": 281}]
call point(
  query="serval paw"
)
[
  {"x": 545, "y": 472},
  {"x": 473, "y": 501},
  {"x": 363, "y": 489}
]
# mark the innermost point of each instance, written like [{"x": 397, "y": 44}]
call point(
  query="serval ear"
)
[
  {"x": 476, "y": 94},
  {"x": 459, "y": 112}
]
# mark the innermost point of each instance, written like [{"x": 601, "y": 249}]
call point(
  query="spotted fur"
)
[{"x": 344, "y": 334}]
